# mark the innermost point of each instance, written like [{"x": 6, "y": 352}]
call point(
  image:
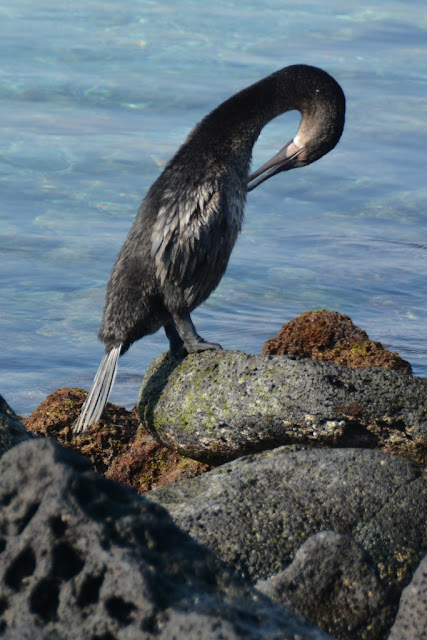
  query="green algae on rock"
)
[{"x": 218, "y": 405}]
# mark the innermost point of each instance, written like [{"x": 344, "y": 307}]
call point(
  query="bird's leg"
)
[
  {"x": 185, "y": 330},
  {"x": 176, "y": 345}
]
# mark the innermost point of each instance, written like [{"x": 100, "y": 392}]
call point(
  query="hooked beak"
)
[{"x": 282, "y": 161}]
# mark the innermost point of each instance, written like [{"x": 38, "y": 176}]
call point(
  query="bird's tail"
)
[{"x": 100, "y": 390}]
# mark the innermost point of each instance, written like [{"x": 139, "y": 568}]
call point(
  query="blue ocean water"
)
[{"x": 96, "y": 96}]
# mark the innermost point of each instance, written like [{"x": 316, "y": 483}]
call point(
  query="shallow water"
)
[{"x": 96, "y": 96}]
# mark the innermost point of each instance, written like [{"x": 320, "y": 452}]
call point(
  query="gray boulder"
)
[
  {"x": 84, "y": 557},
  {"x": 256, "y": 512},
  {"x": 336, "y": 581},
  {"x": 219, "y": 405},
  {"x": 411, "y": 620},
  {"x": 12, "y": 431}
]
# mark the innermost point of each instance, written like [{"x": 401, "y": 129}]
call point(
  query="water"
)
[{"x": 96, "y": 96}]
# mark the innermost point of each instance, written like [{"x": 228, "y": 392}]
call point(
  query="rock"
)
[
  {"x": 256, "y": 512},
  {"x": 84, "y": 557},
  {"x": 411, "y": 620},
  {"x": 332, "y": 581},
  {"x": 329, "y": 335},
  {"x": 116, "y": 446},
  {"x": 219, "y": 405},
  {"x": 12, "y": 431}
]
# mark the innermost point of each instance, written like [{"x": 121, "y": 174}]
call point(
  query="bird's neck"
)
[
  {"x": 230, "y": 131},
  {"x": 247, "y": 112}
]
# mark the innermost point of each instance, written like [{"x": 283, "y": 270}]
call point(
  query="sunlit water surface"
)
[{"x": 97, "y": 96}]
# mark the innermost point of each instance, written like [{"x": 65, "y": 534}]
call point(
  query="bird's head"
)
[{"x": 321, "y": 103}]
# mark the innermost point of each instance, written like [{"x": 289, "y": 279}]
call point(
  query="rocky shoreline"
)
[{"x": 300, "y": 510}]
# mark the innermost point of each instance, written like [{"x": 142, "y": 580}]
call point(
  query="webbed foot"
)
[{"x": 183, "y": 337}]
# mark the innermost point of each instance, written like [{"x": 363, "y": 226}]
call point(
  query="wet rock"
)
[
  {"x": 333, "y": 582},
  {"x": 411, "y": 619},
  {"x": 256, "y": 512},
  {"x": 12, "y": 431},
  {"x": 332, "y": 336},
  {"x": 116, "y": 446},
  {"x": 84, "y": 557},
  {"x": 219, "y": 405}
]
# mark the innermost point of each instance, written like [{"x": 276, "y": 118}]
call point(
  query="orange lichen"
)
[{"x": 329, "y": 335}]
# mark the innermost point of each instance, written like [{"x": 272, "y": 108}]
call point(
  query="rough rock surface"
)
[
  {"x": 329, "y": 335},
  {"x": 12, "y": 431},
  {"x": 333, "y": 580},
  {"x": 219, "y": 405},
  {"x": 257, "y": 511},
  {"x": 84, "y": 557},
  {"x": 411, "y": 620}
]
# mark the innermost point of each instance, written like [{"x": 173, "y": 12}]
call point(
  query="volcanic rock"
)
[
  {"x": 257, "y": 512},
  {"x": 85, "y": 557},
  {"x": 219, "y": 405},
  {"x": 411, "y": 620},
  {"x": 12, "y": 431}
]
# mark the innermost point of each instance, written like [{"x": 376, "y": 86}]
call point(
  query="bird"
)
[{"x": 178, "y": 247}]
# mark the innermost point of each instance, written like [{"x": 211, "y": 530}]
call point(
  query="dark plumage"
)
[{"x": 179, "y": 245}]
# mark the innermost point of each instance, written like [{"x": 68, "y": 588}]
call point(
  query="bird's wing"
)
[{"x": 185, "y": 233}]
